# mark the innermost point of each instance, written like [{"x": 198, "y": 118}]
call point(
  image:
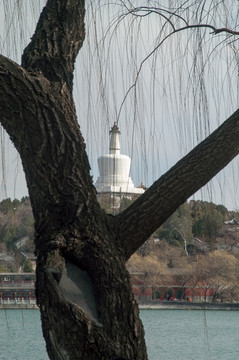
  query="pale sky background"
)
[{"x": 163, "y": 117}]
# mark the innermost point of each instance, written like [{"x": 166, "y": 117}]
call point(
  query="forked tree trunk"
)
[{"x": 83, "y": 288}]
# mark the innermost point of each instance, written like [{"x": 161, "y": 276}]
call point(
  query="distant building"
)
[
  {"x": 22, "y": 242},
  {"x": 114, "y": 181},
  {"x": 168, "y": 288},
  {"x": 231, "y": 222},
  {"x": 197, "y": 246},
  {"x": 15, "y": 286},
  {"x": 228, "y": 237}
]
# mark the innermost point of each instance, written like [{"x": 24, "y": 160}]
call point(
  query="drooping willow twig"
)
[{"x": 167, "y": 15}]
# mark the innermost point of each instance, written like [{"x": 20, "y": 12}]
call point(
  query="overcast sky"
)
[{"x": 164, "y": 116}]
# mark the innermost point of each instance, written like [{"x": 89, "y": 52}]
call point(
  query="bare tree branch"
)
[
  {"x": 147, "y": 213},
  {"x": 168, "y": 15},
  {"x": 168, "y": 18}
]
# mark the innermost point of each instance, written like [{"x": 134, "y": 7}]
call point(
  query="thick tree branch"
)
[
  {"x": 147, "y": 213},
  {"x": 43, "y": 126},
  {"x": 58, "y": 37}
]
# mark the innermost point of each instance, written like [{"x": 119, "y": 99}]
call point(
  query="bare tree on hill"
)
[{"x": 83, "y": 288}]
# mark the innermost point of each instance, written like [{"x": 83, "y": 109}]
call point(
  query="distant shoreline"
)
[
  {"x": 18, "y": 306},
  {"x": 185, "y": 305},
  {"x": 154, "y": 305}
]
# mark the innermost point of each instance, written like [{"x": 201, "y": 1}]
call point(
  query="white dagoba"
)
[{"x": 114, "y": 169}]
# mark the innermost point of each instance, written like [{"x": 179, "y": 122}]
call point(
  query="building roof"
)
[{"x": 231, "y": 222}]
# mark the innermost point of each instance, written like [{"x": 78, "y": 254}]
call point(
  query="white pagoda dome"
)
[{"x": 114, "y": 169}]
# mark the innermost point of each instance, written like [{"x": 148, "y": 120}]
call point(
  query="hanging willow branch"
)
[{"x": 168, "y": 16}]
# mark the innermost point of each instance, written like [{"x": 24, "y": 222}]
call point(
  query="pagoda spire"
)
[{"x": 114, "y": 139}]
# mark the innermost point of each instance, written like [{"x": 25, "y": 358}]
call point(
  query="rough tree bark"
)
[{"x": 83, "y": 288}]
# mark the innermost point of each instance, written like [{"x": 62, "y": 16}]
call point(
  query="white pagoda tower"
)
[{"x": 114, "y": 171}]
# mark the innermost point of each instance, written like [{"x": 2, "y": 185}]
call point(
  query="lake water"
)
[
  {"x": 170, "y": 335},
  {"x": 191, "y": 334}
]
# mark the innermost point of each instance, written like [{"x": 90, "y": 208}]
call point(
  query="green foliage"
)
[
  {"x": 3, "y": 269},
  {"x": 208, "y": 218},
  {"x": 16, "y": 220},
  {"x": 7, "y": 206},
  {"x": 164, "y": 233},
  {"x": 27, "y": 266},
  {"x": 222, "y": 209},
  {"x": 170, "y": 264},
  {"x": 8, "y": 236},
  {"x": 197, "y": 219},
  {"x": 178, "y": 228}
]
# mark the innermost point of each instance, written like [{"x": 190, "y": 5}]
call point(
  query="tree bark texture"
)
[{"x": 83, "y": 288}]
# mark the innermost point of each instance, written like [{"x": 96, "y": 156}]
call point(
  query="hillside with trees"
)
[
  {"x": 197, "y": 219},
  {"x": 197, "y": 247},
  {"x": 16, "y": 223}
]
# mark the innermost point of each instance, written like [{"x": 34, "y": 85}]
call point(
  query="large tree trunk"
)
[{"x": 83, "y": 288}]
